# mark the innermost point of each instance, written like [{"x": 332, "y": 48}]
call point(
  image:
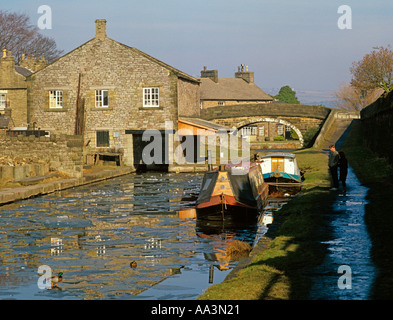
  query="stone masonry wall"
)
[
  {"x": 267, "y": 110},
  {"x": 377, "y": 125},
  {"x": 14, "y": 86},
  {"x": 108, "y": 65},
  {"x": 63, "y": 153},
  {"x": 214, "y": 103},
  {"x": 188, "y": 98},
  {"x": 17, "y": 107},
  {"x": 303, "y": 124},
  {"x": 105, "y": 64}
]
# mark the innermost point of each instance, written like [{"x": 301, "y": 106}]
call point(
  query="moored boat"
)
[
  {"x": 232, "y": 193},
  {"x": 281, "y": 171}
]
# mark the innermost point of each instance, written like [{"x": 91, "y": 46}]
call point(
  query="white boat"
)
[{"x": 281, "y": 171}]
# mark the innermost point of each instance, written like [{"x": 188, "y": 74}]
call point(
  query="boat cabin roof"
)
[{"x": 279, "y": 154}]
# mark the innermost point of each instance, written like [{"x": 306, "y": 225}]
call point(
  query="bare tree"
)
[
  {"x": 350, "y": 98},
  {"x": 375, "y": 70},
  {"x": 20, "y": 36}
]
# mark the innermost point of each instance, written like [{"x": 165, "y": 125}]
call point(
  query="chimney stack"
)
[
  {"x": 33, "y": 63},
  {"x": 7, "y": 61},
  {"x": 246, "y": 75},
  {"x": 100, "y": 28},
  {"x": 212, "y": 74}
]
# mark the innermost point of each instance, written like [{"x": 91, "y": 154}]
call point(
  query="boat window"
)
[{"x": 207, "y": 183}]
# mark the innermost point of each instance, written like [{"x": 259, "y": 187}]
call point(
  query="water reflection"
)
[
  {"x": 93, "y": 233},
  {"x": 349, "y": 246}
]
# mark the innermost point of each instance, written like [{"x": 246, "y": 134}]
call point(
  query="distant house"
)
[
  {"x": 13, "y": 92},
  {"x": 241, "y": 89},
  {"x": 111, "y": 93}
]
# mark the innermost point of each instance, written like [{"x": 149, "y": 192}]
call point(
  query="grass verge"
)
[{"x": 279, "y": 271}]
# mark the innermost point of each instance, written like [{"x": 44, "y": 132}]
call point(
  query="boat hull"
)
[
  {"x": 225, "y": 196},
  {"x": 281, "y": 172},
  {"x": 284, "y": 185},
  {"x": 283, "y": 177}
]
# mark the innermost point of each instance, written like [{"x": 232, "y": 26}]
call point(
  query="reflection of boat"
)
[
  {"x": 281, "y": 171},
  {"x": 223, "y": 235},
  {"x": 234, "y": 192}
]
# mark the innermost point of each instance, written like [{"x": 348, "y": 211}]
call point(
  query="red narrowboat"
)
[{"x": 233, "y": 192}]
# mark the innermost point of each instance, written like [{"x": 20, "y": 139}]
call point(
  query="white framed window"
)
[
  {"x": 261, "y": 131},
  {"x": 102, "y": 98},
  {"x": 55, "y": 99},
  {"x": 3, "y": 101},
  {"x": 280, "y": 129},
  {"x": 249, "y": 131},
  {"x": 221, "y": 103},
  {"x": 151, "y": 97}
]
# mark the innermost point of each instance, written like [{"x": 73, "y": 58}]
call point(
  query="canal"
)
[{"x": 119, "y": 239}]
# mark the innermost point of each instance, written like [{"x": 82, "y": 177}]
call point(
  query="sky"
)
[{"x": 284, "y": 42}]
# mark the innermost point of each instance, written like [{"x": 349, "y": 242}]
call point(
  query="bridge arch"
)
[{"x": 274, "y": 120}]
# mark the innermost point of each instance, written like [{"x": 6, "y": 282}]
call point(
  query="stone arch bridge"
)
[{"x": 298, "y": 117}]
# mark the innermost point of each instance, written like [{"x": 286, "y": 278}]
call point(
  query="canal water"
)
[
  {"x": 347, "y": 272},
  {"x": 119, "y": 239}
]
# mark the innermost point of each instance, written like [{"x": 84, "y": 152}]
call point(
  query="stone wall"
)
[
  {"x": 215, "y": 103},
  {"x": 266, "y": 109},
  {"x": 302, "y": 123},
  {"x": 62, "y": 153},
  {"x": 17, "y": 109},
  {"x": 188, "y": 98},
  {"x": 14, "y": 86},
  {"x": 23, "y": 171},
  {"x": 105, "y": 64},
  {"x": 377, "y": 124}
]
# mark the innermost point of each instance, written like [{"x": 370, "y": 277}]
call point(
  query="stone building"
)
[
  {"x": 241, "y": 89},
  {"x": 13, "y": 92},
  {"x": 111, "y": 93}
]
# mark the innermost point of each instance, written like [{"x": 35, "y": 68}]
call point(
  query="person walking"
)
[
  {"x": 343, "y": 168},
  {"x": 333, "y": 166}
]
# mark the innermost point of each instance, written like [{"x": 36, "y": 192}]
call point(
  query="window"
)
[
  {"x": 102, "y": 98},
  {"x": 151, "y": 97},
  {"x": 55, "y": 99},
  {"x": 261, "y": 131},
  {"x": 221, "y": 103},
  {"x": 102, "y": 139},
  {"x": 3, "y": 100},
  {"x": 280, "y": 130},
  {"x": 249, "y": 131}
]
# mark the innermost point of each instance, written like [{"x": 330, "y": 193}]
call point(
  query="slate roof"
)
[
  {"x": 205, "y": 123},
  {"x": 23, "y": 71},
  {"x": 231, "y": 89}
]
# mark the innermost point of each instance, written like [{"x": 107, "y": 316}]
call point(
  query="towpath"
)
[
  {"x": 347, "y": 272},
  {"x": 16, "y": 193}
]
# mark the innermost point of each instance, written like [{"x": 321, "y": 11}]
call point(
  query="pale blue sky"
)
[{"x": 283, "y": 41}]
